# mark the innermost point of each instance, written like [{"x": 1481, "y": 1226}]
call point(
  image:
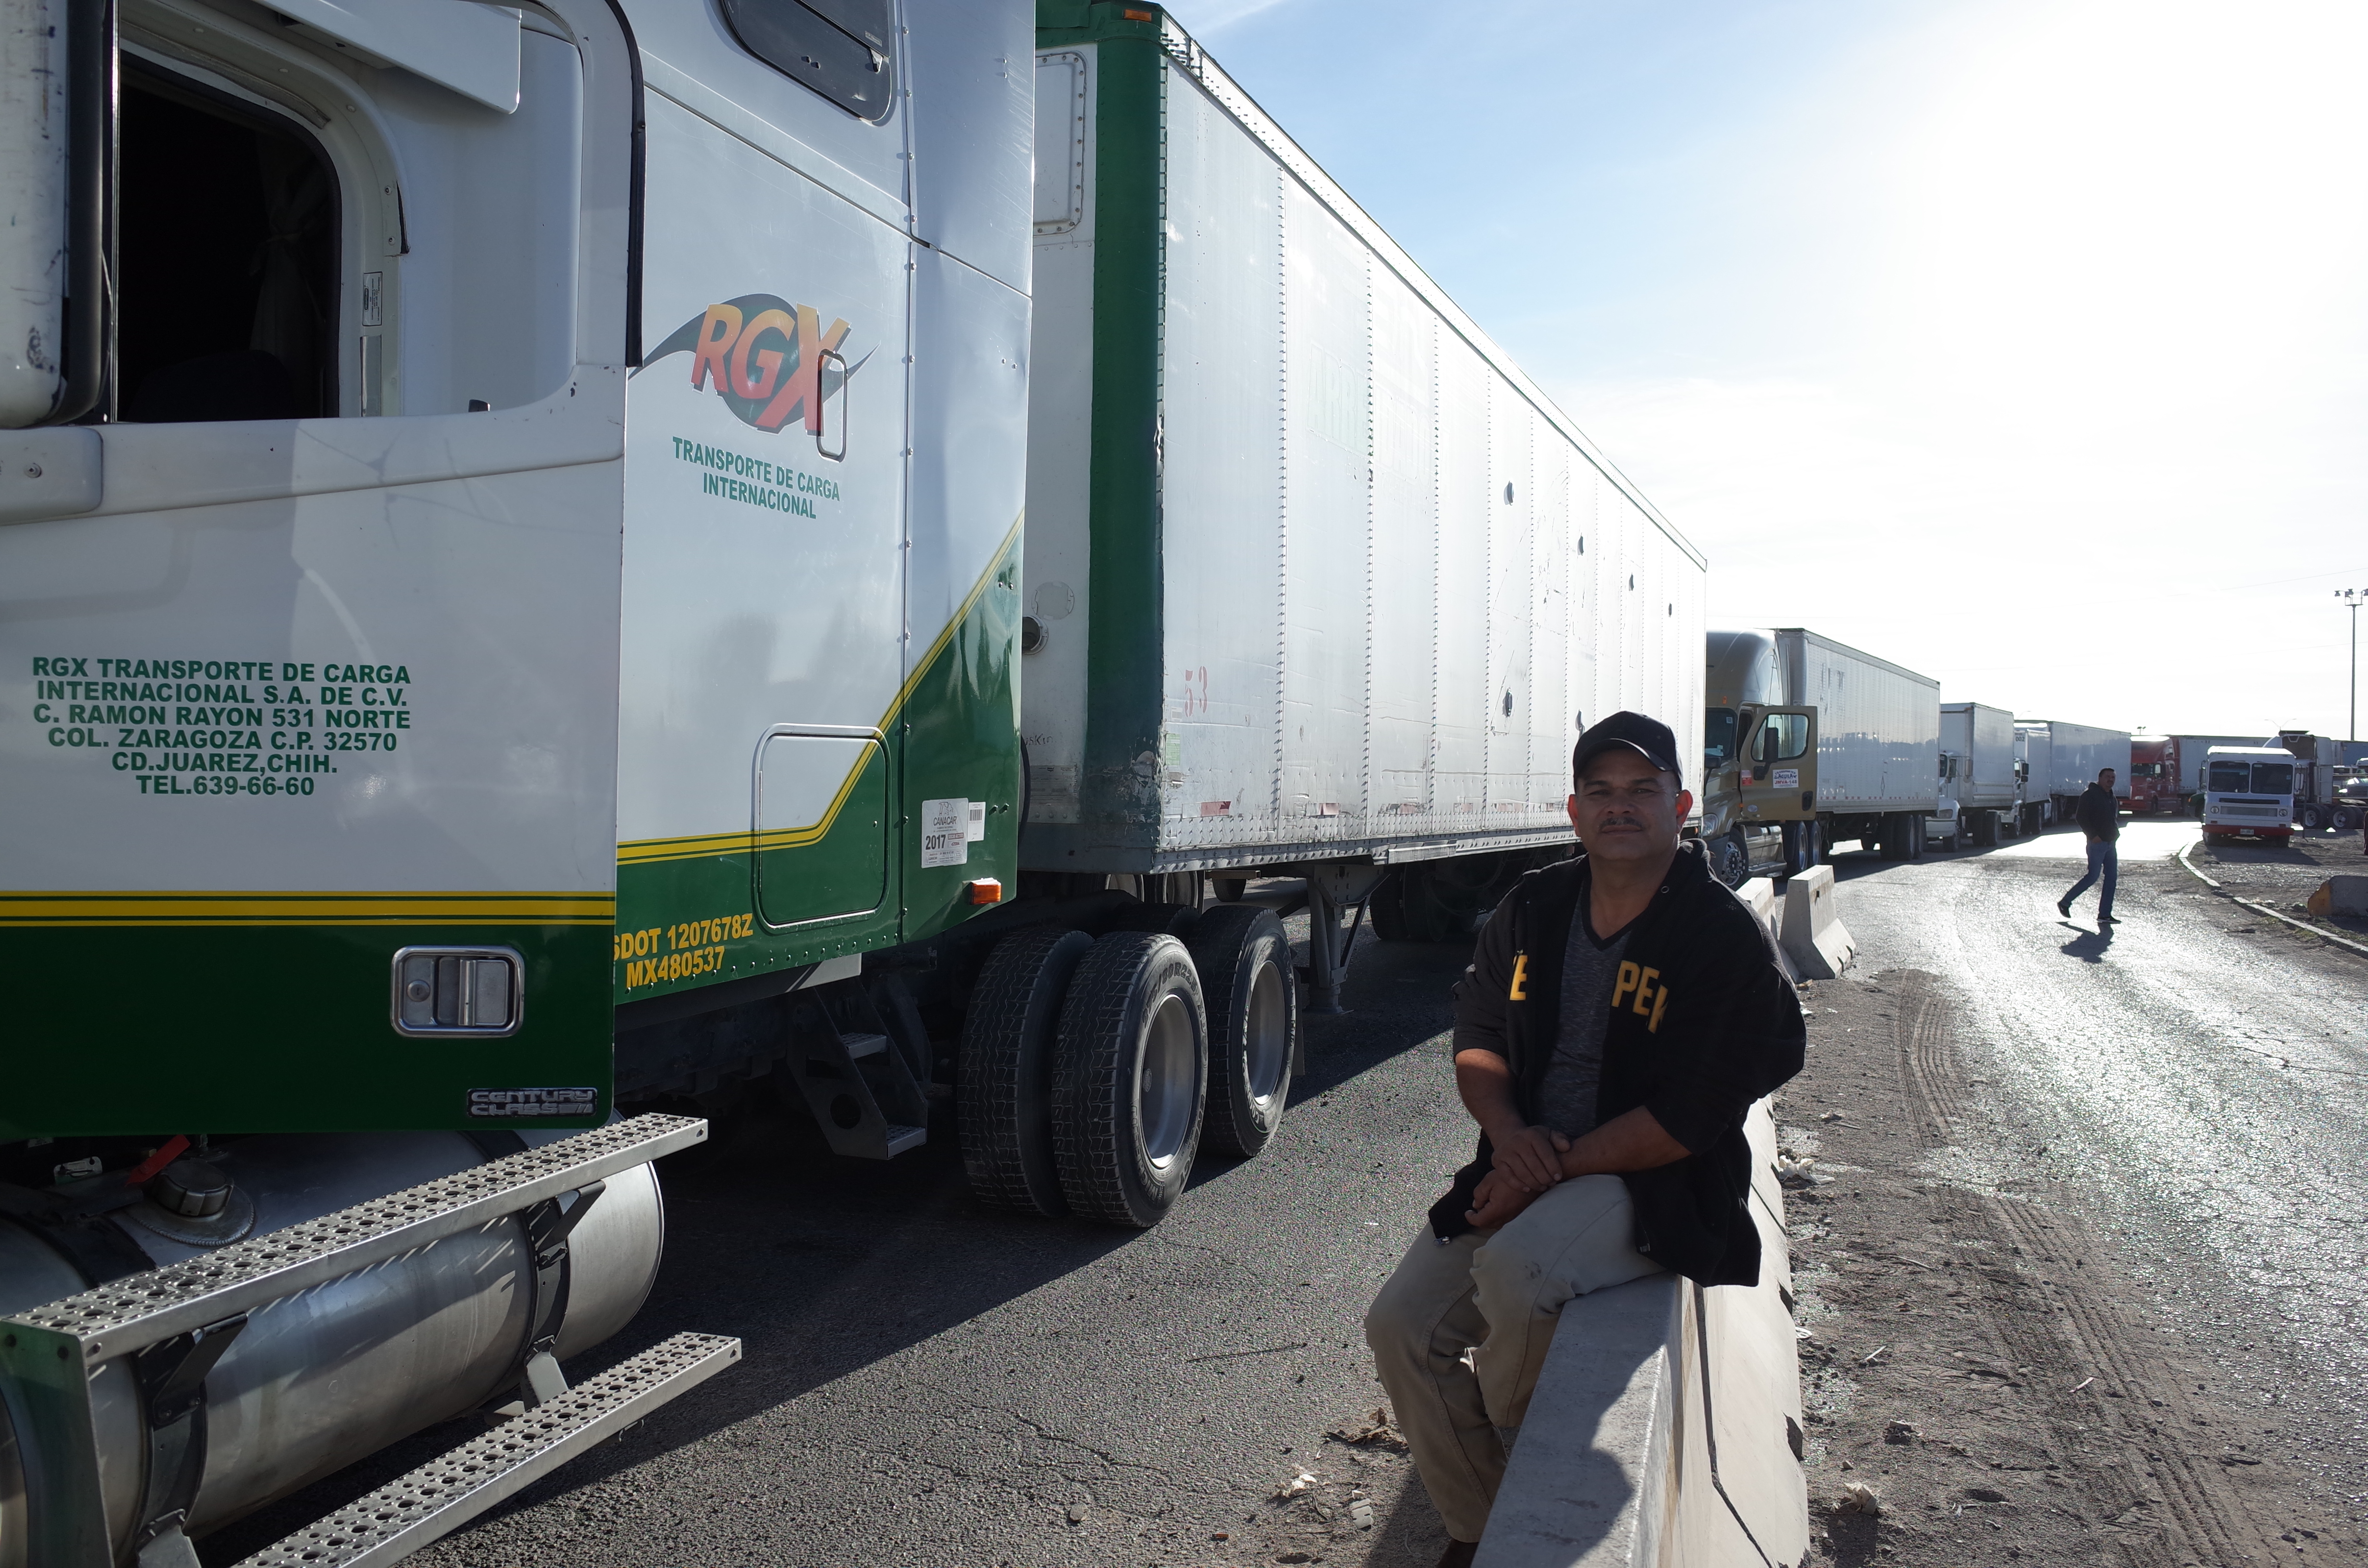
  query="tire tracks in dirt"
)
[{"x": 2097, "y": 1375}]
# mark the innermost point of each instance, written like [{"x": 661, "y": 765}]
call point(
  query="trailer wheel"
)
[
  {"x": 1230, "y": 889},
  {"x": 1986, "y": 830},
  {"x": 1009, "y": 1043},
  {"x": 1133, "y": 1075},
  {"x": 1244, "y": 962},
  {"x": 1915, "y": 835}
]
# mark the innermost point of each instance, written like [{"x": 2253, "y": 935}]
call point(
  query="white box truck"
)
[
  {"x": 1808, "y": 742},
  {"x": 1318, "y": 583},
  {"x": 2065, "y": 759},
  {"x": 1980, "y": 782}
]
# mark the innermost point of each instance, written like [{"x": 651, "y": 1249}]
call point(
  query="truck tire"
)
[
  {"x": 1986, "y": 830},
  {"x": 1130, "y": 1080},
  {"x": 1730, "y": 858},
  {"x": 1914, "y": 834},
  {"x": 1230, "y": 889},
  {"x": 1244, "y": 962},
  {"x": 1010, "y": 1041},
  {"x": 2310, "y": 818},
  {"x": 1800, "y": 847}
]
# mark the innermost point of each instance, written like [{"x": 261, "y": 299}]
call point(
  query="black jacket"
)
[
  {"x": 2098, "y": 814},
  {"x": 1702, "y": 1024}
]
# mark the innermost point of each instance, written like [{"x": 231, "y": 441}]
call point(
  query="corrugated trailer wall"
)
[
  {"x": 1993, "y": 757},
  {"x": 1391, "y": 580},
  {"x": 1878, "y": 726}
]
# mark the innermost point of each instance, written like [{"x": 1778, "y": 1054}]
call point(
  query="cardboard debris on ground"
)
[{"x": 1375, "y": 1431}]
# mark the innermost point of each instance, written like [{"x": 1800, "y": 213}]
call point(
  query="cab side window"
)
[
  {"x": 841, "y": 49},
  {"x": 228, "y": 260}
]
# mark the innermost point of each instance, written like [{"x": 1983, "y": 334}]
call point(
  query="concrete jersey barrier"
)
[
  {"x": 1813, "y": 936},
  {"x": 1665, "y": 1428}
]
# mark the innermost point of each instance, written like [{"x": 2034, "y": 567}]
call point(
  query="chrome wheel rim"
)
[
  {"x": 1165, "y": 1081},
  {"x": 1266, "y": 1033}
]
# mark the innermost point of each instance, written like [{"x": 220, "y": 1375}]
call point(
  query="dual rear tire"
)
[
  {"x": 1132, "y": 1073},
  {"x": 1092, "y": 1072}
]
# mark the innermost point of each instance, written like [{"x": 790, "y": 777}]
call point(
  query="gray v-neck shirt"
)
[{"x": 1567, "y": 1097}]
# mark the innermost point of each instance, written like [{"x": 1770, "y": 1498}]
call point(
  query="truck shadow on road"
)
[{"x": 823, "y": 1266}]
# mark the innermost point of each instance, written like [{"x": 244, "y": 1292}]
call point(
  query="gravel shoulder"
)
[
  {"x": 1997, "y": 1341},
  {"x": 2284, "y": 878}
]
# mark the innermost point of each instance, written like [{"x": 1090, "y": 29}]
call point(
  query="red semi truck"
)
[{"x": 2154, "y": 775}]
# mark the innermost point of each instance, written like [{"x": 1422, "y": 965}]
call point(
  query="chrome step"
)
[
  {"x": 440, "y": 1497},
  {"x": 50, "y": 1354},
  {"x": 903, "y": 1138}
]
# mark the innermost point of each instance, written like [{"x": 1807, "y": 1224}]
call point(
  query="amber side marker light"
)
[
  {"x": 985, "y": 889},
  {"x": 1132, "y": 15}
]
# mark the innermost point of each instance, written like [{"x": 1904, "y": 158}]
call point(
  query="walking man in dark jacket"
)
[
  {"x": 2099, "y": 816},
  {"x": 1622, "y": 1012}
]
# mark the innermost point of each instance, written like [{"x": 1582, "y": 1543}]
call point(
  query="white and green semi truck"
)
[
  {"x": 509, "y": 535},
  {"x": 537, "y": 602}
]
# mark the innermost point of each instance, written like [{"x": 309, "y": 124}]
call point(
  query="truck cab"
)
[
  {"x": 1759, "y": 787},
  {"x": 2154, "y": 775},
  {"x": 2248, "y": 793}
]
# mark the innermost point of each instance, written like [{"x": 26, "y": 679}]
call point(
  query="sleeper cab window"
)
[
  {"x": 838, "y": 48},
  {"x": 227, "y": 267}
]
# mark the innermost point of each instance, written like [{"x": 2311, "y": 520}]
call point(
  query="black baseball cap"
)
[{"x": 1648, "y": 738}]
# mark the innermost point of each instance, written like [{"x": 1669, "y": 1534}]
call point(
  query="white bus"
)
[{"x": 2248, "y": 792}]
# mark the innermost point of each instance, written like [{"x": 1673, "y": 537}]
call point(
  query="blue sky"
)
[{"x": 2023, "y": 344}]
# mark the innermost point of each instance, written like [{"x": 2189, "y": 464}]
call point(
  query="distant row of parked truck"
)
[{"x": 1808, "y": 744}]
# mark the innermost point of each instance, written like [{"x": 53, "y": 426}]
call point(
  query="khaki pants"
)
[{"x": 1496, "y": 1294}]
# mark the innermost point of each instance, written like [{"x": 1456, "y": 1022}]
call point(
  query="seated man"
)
[{"x": 1622, "y": 1012}]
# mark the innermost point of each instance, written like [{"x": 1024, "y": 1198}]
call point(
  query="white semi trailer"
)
[
  {"x": 1981, "y": 783},
  {"x": 2065, "y": 759},
  {"x": 1318, "y": 583}
]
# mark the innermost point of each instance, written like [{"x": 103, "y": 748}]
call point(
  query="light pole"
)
[{"x": 2353, "y": 600}]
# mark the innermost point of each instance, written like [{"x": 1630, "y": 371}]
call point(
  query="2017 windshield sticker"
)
[
  {"x": 769, "y": 361},
  {"x": 258, "y": 727}
]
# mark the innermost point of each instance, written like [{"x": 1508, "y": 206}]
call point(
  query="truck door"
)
[
  {"x": 1779, "y": 778},
  {"x": 308, "y": 633},
  {"x": 764, "y": 629}
]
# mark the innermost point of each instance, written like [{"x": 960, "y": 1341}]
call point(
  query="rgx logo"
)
[{"x": 769, "y": 361}]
